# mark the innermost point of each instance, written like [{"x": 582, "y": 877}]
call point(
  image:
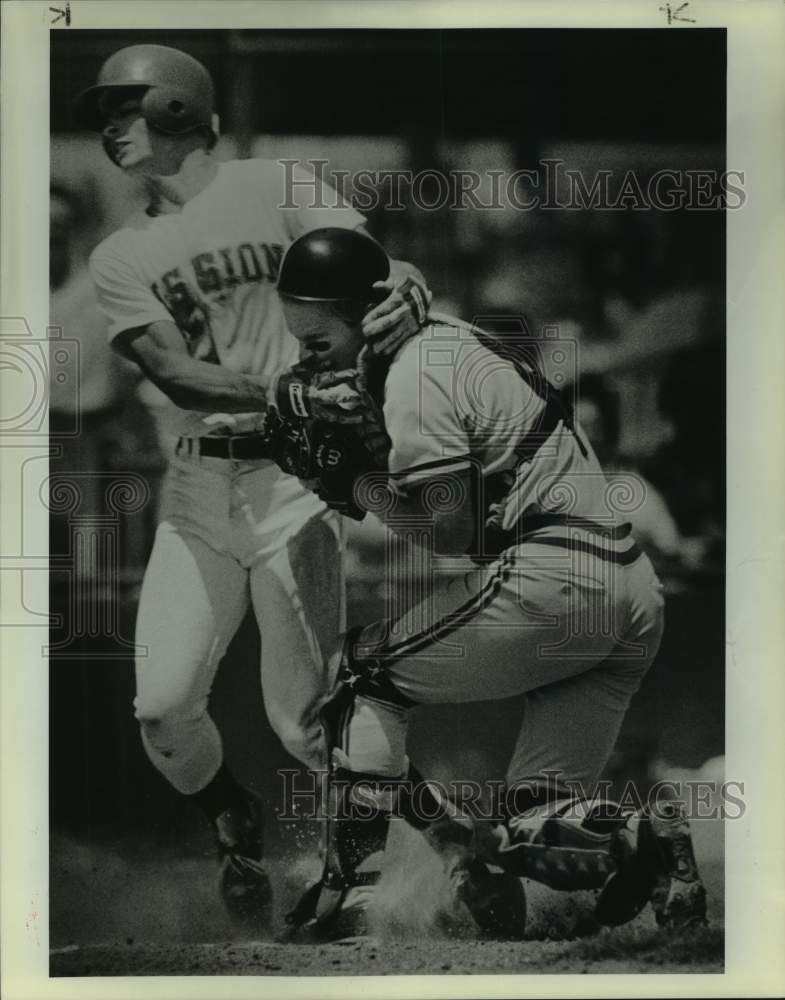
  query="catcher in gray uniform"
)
[{"x": 557, "y": 603}]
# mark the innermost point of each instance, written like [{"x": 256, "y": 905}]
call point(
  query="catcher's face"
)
[{"x": 327, "y": 342}]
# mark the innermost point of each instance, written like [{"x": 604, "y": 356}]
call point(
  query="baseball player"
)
[
  {"x": 189, "y": 292},
  {"x": 472, "y": 448}
]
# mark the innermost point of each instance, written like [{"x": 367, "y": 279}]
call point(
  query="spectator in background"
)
[
  {"x": 96, "y": 422},
  {"x": 652, "y": 523}
]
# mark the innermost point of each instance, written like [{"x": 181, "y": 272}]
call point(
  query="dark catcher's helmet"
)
[
  {"x": 175, "y": 91},
  {"x": 333, "y": 265}
]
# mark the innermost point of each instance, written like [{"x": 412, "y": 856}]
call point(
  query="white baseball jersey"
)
[{"x": 211, "y": 269}]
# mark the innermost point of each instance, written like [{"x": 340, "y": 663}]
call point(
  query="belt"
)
[{"x": 237, "y": 448}]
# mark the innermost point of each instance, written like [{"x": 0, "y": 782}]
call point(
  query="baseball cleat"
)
[
  {"x": 495, "y": 900},
  {"x": 679, "y": 897},
  {"x": 244, "y": 884},
  {"x": 331, "y": 912},
  {"x": 655, "y": 863}
]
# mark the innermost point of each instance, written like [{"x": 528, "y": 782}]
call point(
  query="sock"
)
[{"x": 221, "y": 793}]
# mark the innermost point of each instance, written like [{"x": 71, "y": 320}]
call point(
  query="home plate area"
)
[{"x": 152, "y": 919}]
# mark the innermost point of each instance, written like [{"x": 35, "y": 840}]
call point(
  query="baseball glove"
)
[
  {"x": 329, "y": 455},
  {"x": 301, "y": 393}
]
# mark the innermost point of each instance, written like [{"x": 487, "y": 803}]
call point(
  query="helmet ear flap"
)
[{"x": 168, "y": 111}]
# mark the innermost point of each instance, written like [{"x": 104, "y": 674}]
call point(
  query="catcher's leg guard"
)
[
  {"x": 495, "y": 900},
  {"x": 633, "y": 858},
  {"x": 357, "y": 816},
  {"x": 655, "y": 862},
  {"x": 559, "y": 847},
  {"x": 358, "y": 810}
]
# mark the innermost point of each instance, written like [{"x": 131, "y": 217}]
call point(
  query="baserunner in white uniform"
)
[{"x": 188, "y": 288}]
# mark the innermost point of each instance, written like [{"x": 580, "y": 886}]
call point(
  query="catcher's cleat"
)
[
  {"x": 655, "y": 862},
  {"x": 495, "y": 900},
  {"x": 679, "y": 897},
  {"x": 244, "y": 884},
  {"x": 332, "y": 910}
]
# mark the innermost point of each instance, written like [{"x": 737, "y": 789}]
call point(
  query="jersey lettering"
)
[
  {"x": 189, "y": 314},
  {"x": 208, "y": 276},
  {"x": 250, "y": 268},
  {"x": 217, "y": 271},
  {"x": 231, "y": 278}
]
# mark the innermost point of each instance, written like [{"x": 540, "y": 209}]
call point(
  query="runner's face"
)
[
  {"x": 327, "y": 342},
  {"x": 134, "y": 146},
  {"x": 126, "y": 135}
]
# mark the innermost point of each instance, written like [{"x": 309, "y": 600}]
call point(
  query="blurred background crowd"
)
[{"x": 638, "y": 295}]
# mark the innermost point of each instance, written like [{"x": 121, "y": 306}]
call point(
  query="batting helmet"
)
[
  {"x": 331, "y": 265},
  {"x": 176, "y": 91}
]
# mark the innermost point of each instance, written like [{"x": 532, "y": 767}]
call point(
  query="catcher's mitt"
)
[
  {"x": 300, "y": 393},
  {"x": 329, "y": 455}
]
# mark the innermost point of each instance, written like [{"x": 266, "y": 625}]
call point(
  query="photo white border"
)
[{"x": 755, "y": 700}]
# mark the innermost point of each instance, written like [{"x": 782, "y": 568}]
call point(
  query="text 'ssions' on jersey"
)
[{"x": 211, "y": 269}]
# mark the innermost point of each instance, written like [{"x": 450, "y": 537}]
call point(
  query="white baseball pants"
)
[{"x": 233, "y": 533}]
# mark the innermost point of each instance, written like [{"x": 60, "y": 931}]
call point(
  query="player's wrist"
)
[
  {"x": 299, "y": 394},
  {"x": 289, "y": 394}
]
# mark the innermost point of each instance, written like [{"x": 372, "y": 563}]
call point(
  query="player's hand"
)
[
  {"x": 335, "y": 397},
  {"x": 398, "y": 317},
  {"x": 371, "y": 430},
  {"x": 300, "y": 393}
]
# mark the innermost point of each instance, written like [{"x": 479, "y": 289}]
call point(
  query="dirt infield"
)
[
  {"x": 624, "y": 950},
  {"x": 142, "y": 917}
]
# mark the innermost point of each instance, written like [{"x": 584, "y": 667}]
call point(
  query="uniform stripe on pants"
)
[{"x": 452, "y": 621}]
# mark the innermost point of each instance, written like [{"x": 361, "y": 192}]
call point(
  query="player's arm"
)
[
  {"x": 161, "y": 353},
  {"x": 429, "y": 466},
  {"x": 443, "y": 500},
  {"x": 141, "y": 329}
]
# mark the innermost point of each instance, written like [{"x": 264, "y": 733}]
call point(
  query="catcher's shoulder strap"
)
[{"x": 523, "y": 352}]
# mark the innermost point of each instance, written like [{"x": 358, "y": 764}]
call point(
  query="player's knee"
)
[
  {"x": 621, "y": 678},
  {"x": 160, "y": 715}
]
